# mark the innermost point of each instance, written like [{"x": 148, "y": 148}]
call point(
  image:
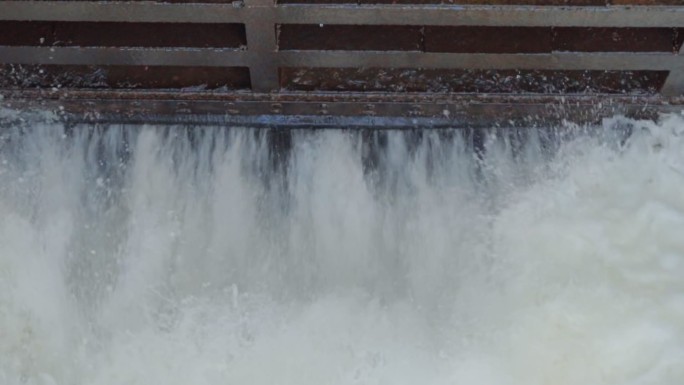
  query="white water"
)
[{"x": 178, "y": 261}]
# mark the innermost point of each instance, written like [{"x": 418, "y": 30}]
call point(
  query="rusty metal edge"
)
[{"x": 334, "y": 110}]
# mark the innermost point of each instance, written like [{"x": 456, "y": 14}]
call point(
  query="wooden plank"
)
[
  {"x": 125, "y": 56},
  {"x": 120, "y": 11},
  {"x": 553, "y": 61},
  {"x": 483, "y": 15},
  {"x": 674, "y": 85},
  {"x": 340, "y": 59},
  {"x": 378, "y": 14},
  {"x": 262, "y": 45}
]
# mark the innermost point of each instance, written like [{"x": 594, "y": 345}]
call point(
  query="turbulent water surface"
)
[{"x": 178, "y": 255}]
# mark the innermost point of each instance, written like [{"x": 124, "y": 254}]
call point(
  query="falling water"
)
[{"x": 181, "y": 255}]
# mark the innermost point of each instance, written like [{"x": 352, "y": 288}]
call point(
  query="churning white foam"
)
[{"x": 149, "y": 255}]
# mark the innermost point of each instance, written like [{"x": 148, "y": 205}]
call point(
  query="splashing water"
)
[{"x": 151, "y": 255}]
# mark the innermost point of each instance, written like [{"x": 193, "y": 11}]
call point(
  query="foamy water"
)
[{"x": 148, "y": 255}]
